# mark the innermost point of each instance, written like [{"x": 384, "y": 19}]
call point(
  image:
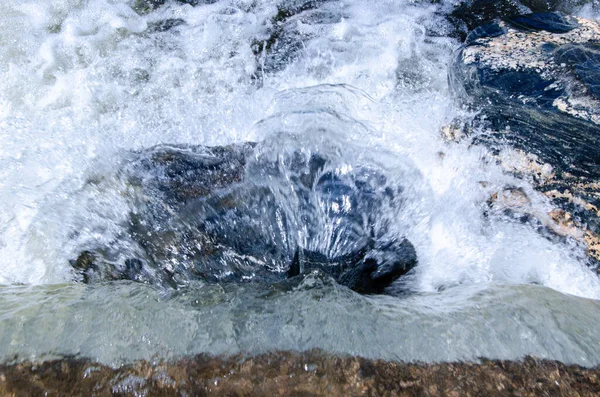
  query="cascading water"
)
[{"x": 89, "y": 85}]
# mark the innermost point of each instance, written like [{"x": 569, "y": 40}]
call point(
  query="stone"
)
[
  {"x": 241, "y": 213},
  {"x": 311, "y": 373},
  {"x": 534, "y": 81},
  {"x": 165, "y": 25},
  {"x": 370, "y": 270},
  {"x": 470, "y": 14},
  {"x": 280, "y": 43},
  {"x": 146, "y": 6}
]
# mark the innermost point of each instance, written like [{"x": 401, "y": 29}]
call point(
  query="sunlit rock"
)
[{"x": 534, "y": 80}]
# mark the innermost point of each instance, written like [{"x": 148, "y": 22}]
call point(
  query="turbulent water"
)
[{"x": 85, "y": 83}]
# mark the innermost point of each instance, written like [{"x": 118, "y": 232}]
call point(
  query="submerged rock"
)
[
  {"x": 312, "y": 373},
  {"x": 557, "y": 224},
  {"x": 534, "y": 80},
  {"x": 283, "y": 38},
  {"x": 165, "y": 25},
  {"x": 145, "y": 6},
  {"x": 243, "y": 213},
  {"x": 369, "y": 270}
]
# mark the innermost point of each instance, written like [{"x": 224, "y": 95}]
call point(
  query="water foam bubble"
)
[{"x": 87, "y": 81}]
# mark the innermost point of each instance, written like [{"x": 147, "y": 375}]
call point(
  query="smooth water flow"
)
[{"x": 87, "y": 84}]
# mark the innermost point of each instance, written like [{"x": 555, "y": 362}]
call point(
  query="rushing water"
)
[{"x": 86, "y": 82}]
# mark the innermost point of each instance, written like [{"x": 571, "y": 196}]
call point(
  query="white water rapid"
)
[{"x": 85, "y": 81}]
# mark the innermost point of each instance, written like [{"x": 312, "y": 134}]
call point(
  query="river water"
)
[{"x": 86, "y": 82}]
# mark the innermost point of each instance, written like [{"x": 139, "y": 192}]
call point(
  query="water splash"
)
[{"x": 88, "y": 83}]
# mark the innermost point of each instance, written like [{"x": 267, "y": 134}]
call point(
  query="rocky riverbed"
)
[{"x": 298, "y": 374}]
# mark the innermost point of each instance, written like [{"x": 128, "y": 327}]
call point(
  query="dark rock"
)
[
  {"x": 548, "y": 21},
  {"x": 281, "y": 41},
  {"x": 537, "y": 90},
  {"x": 236, "y": 213},
  {"x": 584, "y": 61},
  {"x": 534, "y": 79},
  {"x": 166, "y": 25},
  {"x": 370, "y": 270},
  {"x": 146, "y": 6},
  {"x": 491, "y": 29},
  {"x": 85, "y": 264},
  {"x": 85, "y": 261},
  {"x": 470, "y": 14},
  {"x": 288, "y": 9},
  {"x": 393, "y": 260},
  {"x": 133, "y": 267},
  {"x": 183, "y": 173}
]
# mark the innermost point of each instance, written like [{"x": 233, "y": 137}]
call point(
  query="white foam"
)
[{"x": 85, "y": 81}]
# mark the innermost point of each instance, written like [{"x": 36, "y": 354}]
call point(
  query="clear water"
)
[
  {"x": 84, "y": 82},
  {"x": 119, "y": 323}
]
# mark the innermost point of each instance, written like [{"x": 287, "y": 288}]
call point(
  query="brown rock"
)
[{"x": 310, "y": 373}]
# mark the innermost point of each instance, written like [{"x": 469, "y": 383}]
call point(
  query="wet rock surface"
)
[
  {"x": 240, "y": 213},
  {"x": 145, "y": 6},
  {"x": 469, "y": 15},
  {"x": 302, "y": 374},
  {"x": 283, "y": 37},
  {"x": 533, "y": 78}
]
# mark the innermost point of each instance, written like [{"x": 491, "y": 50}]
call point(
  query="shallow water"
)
[
  {"x": 85, "y": 82},
  {"x": 118, "y": 323}
]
